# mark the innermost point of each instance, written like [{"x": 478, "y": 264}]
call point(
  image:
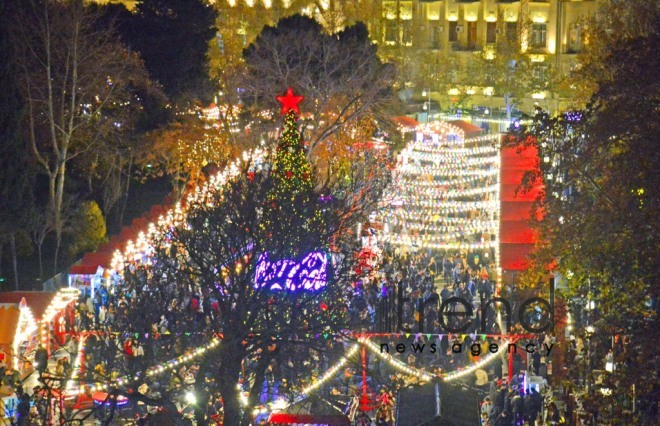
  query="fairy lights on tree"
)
[{"x": 292, "y": 189}]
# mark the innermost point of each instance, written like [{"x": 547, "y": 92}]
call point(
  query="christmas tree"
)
[{"x": 290, "y": 202}]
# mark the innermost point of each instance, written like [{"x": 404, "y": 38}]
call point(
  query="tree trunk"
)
[
  {"x": 58, "y": 202},
  {"x": 58, "y": 242},
  {"x": 127, "y": 190},
  {"x": 257, "y": 386},
  {"x": 12, "y": 243},
  {"x": 201, "y": 394},
  {"x": 41, "y": 262},
  {"x": 228, "y": 375}
]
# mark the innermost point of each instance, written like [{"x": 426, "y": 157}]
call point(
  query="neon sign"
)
[{"x": 309, "y": 274}]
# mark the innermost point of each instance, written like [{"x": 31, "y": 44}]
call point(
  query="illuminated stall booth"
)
[
  {"x": 86, "y": 278},
  {"x": 29, "y": 318},
  {"x": 18, "y": 334}
]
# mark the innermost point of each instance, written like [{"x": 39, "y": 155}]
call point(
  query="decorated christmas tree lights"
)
[{"x": 289, "y": 202}]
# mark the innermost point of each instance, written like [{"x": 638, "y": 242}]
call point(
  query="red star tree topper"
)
[{"x": 290, "y": 101}]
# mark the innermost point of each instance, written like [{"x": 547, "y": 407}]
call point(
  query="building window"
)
[
  {"x": 512, "y": 31},
  {"x": 575, "y": 39},
  {"x": 539, "y": 73},
  {"x": 539, "y": 32},
  {"x": 472, "y": 34},
  {"x": 390, "y": 32},
  {"x": 453, "y": 31},
  {"x": 435, "y": 37},
  {"x": 406, "y": 33},
  {"x": 539, "y": 76},
  {"x": 491, "y": 32}
]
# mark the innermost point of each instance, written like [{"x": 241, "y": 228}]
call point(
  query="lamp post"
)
[{"x": 427, "y": 104}]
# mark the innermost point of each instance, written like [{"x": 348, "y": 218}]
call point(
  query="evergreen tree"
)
[{"x": 290, "y": 209}]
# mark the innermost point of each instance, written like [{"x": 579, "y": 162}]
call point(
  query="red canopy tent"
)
[
  {"x": 517, "y": 238},
  {"x": 405, "y": 123},
  {"x": 310, "y": 412}
]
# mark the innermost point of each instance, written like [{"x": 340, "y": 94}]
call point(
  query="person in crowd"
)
[
  {"x": 23, "y": 410},
  {"x": 554, "y": 418},
  {"x": 41, "y": 359},
  {"x": 486, "y": 406},
  {"x": 448, "y": 268}
]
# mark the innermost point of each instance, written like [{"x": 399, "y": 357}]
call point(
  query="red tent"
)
[
  {"x": 405, "y": 123},
  {"x": 517, "y": 238},
  {"x": 310, "y": 412}
]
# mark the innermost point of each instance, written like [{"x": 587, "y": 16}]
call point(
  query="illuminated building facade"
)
[{"x": 436, "y": 41}]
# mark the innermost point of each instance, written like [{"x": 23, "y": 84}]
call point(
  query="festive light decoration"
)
[
  {"x": 453, "y": 171},
  {"x": 72, "y": 390},
  {"x": 441, "y": 129},
  {"x": 24, "y": 329},
  {"x": 410, "y": 180},
  {"x": 404, "y": 368},
  {"x": 461, "y": 151},
  {"x": 446, "y": 192},
  {"x": 141, "y": 250},
  {"x": 290, "y": 101},
  {"x": 466, "y": 160},
  {"x": 308, "y": 274},
  {"x": 289, "y": 213},
  {"x": 172, "y": 364},
  {"x": 453, "y": 193},
  {"x": 476, "y": 166},
  {"x": 63, "y": 297},
  {"x": 396, "y": 364},
  {"x": 423, "y": 375},
  {"x": 332, "y": 371}
]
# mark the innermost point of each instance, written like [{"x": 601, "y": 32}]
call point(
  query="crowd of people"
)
[{"x": 445, "y": 205}]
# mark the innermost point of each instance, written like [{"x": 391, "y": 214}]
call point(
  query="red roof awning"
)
[
  {"x": 83, "y": 270},
  {"x": 405, "y": 121},
  {"x": 37, "y": 301}
]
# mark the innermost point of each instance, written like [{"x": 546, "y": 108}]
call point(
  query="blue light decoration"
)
[
  {"x": 573, "y": 116},
  {"x": 310, "y": 274}
]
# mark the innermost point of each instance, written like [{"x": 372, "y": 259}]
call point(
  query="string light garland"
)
[
  {"x": 435, "y": 158},
  {"x": 423, "y": 375},
  {"x": 62, "y": 298},
  {"x": 332, "y": 371},
  {"x": 435, "y": 244},
  {"x": 72, "y": 390},
  {"x": 411, "y": 180},
  {"x": 457, "y": 152},
  {"x": 140, "y": 250},
  {"x": 172, "y": 364},
  {"x": 451, "y": 193},
  {"x": 453, "y": 171},
  {"x": 456, "y": 206},
  {"x": 396, "y": 364},
  {"x": 24, "y": 329},
  {"x": 446, "y": 192}
]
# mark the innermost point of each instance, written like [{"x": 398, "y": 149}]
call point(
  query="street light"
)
[{"x": 427, "y": 104}]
